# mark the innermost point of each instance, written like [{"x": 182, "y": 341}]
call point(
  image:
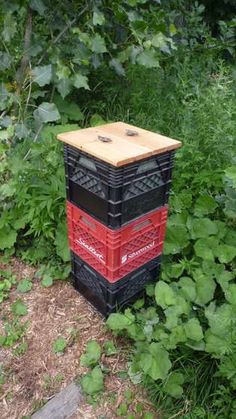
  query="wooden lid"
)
[{"x": 119, "y": 143}]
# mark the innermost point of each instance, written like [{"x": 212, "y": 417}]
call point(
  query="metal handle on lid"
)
[
  {"x": 104, "y": 139},
  {"x": 131, "y": 133}
]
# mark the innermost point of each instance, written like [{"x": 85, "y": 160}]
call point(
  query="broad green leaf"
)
[
  {"x": 24, "y": 285},
  {"x": 159, "y": 40},
  {"x": 38, "y": 6},
  {"x": 177, "y": 238},
  {"x": 205, "y": 288},
  {"x": 47, "y": 112},
  {"x": 47, "y": 281},
  {"x": 173, "y": 385},
  {"x": 70, "y": 109},
  {"x": 160, "y": 362},
  {"x": 164, "y": 295},
  {"x": 42, "y": 75},
  {"x": 230, "y": 294},
  {"x": 9, "y": 30},
  {"x": 98, "y": 18},
  {"x": 193, "y": 330},
  {"x": 177, "y": 335},
  {"x": 225, "y": 253},
  {"x": 64, "y": 87},
  {"x": 148, "y": 59},
  {"x": 188, "y": 288},
  {"x": 81, "y": 81},
  {"x": 61, "y": 242},
  {"x": 110, "y": 348},
  {"x": 216, "y": 345},
  {"x": 201, "y": 228},
  {"x": 5, "y": 61},
  {"x": 231, "y": 174},
  {"x": 98, "y": 44},
  {"x": 92, "y": 355},
  {"x": 117, "y": 321},
  {"x": 221, "y": 320},
  {"x": 92, "y": 382},
  {"x": 205, "y": 204},
  {"x": 19, "y": 308},
  {"x": 59, "y": 345},
  {"x": 204, "y": 248},
  {"x": 223, "y": 278},
  {"x": 172, "y": 29},
  {"x": 7, "y": 237},
  {"x": 118, "y": 67}
]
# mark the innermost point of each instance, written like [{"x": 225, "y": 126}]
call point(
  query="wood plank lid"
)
[{"x": 119, "y": 143}]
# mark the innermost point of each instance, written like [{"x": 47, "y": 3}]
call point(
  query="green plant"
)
[
  {"x": 14, "y": 331},
  {"x": 193, "y": 312},
  {"x": 92, "y": 354},
  {"x": 59, "y": 345},
  {"x": 229, "y": 198},
  {"x": 7, "y": 280},
  {"x": 19, "y": 308},
  {"x": 92, "y": 382},
  {"x": 24, "y": 286}
]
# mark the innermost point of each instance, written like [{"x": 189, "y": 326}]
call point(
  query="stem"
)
[
  {"x": 20, "y": 75},
  {"x": 64, "y": 30}
]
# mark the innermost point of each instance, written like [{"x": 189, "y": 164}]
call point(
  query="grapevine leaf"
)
[
  {"x": 148, "y": 59},
  {"x": 98, "y": 44},
  {"x": 38, "y": 6},
  {"x": 47, "y": 112},
  {"x": 81, "y": 81},
  {"x": 42, "y": 75},
  {"x": 98, "y": 18}
]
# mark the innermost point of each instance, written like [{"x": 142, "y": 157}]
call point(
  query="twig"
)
[
  {"x": 26, "y": 56},
  {"x": 64, "y": 30}
]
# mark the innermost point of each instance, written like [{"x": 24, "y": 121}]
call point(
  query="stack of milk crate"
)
[{"x": 118, "y": 179}]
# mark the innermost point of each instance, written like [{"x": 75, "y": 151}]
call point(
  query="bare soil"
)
[{"x": 32, "y": 378}]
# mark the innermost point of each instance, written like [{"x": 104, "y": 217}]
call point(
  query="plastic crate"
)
[
  {"x": 117, "y": 195},
  {"x": 107, "y": 297},
  {"x": 116, "y": 253}
]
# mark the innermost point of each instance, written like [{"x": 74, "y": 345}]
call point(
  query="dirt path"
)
[{"x": 33, "y": 377}]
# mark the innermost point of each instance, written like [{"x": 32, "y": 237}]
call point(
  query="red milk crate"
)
[{"x": 116, "y": 253}]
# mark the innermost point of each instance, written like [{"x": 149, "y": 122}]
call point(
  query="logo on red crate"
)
[
  {"x": 91, "y": 249},
  {"x": 137, "y": 252}
]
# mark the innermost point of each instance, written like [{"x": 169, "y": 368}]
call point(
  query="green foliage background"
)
[{"x": 168, "y": 67}]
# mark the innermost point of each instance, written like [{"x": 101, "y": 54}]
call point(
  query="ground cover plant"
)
[{"x": 168, "y": 72}]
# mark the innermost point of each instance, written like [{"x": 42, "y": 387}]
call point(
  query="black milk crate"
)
[
  {"x": 117, "y": 195},
  {"x": 107, "y": 297}
]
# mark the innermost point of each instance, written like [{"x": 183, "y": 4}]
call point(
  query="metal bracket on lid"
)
[
  {"x": 131, "y": 132},
  {"x": 104, "y": 139}
]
